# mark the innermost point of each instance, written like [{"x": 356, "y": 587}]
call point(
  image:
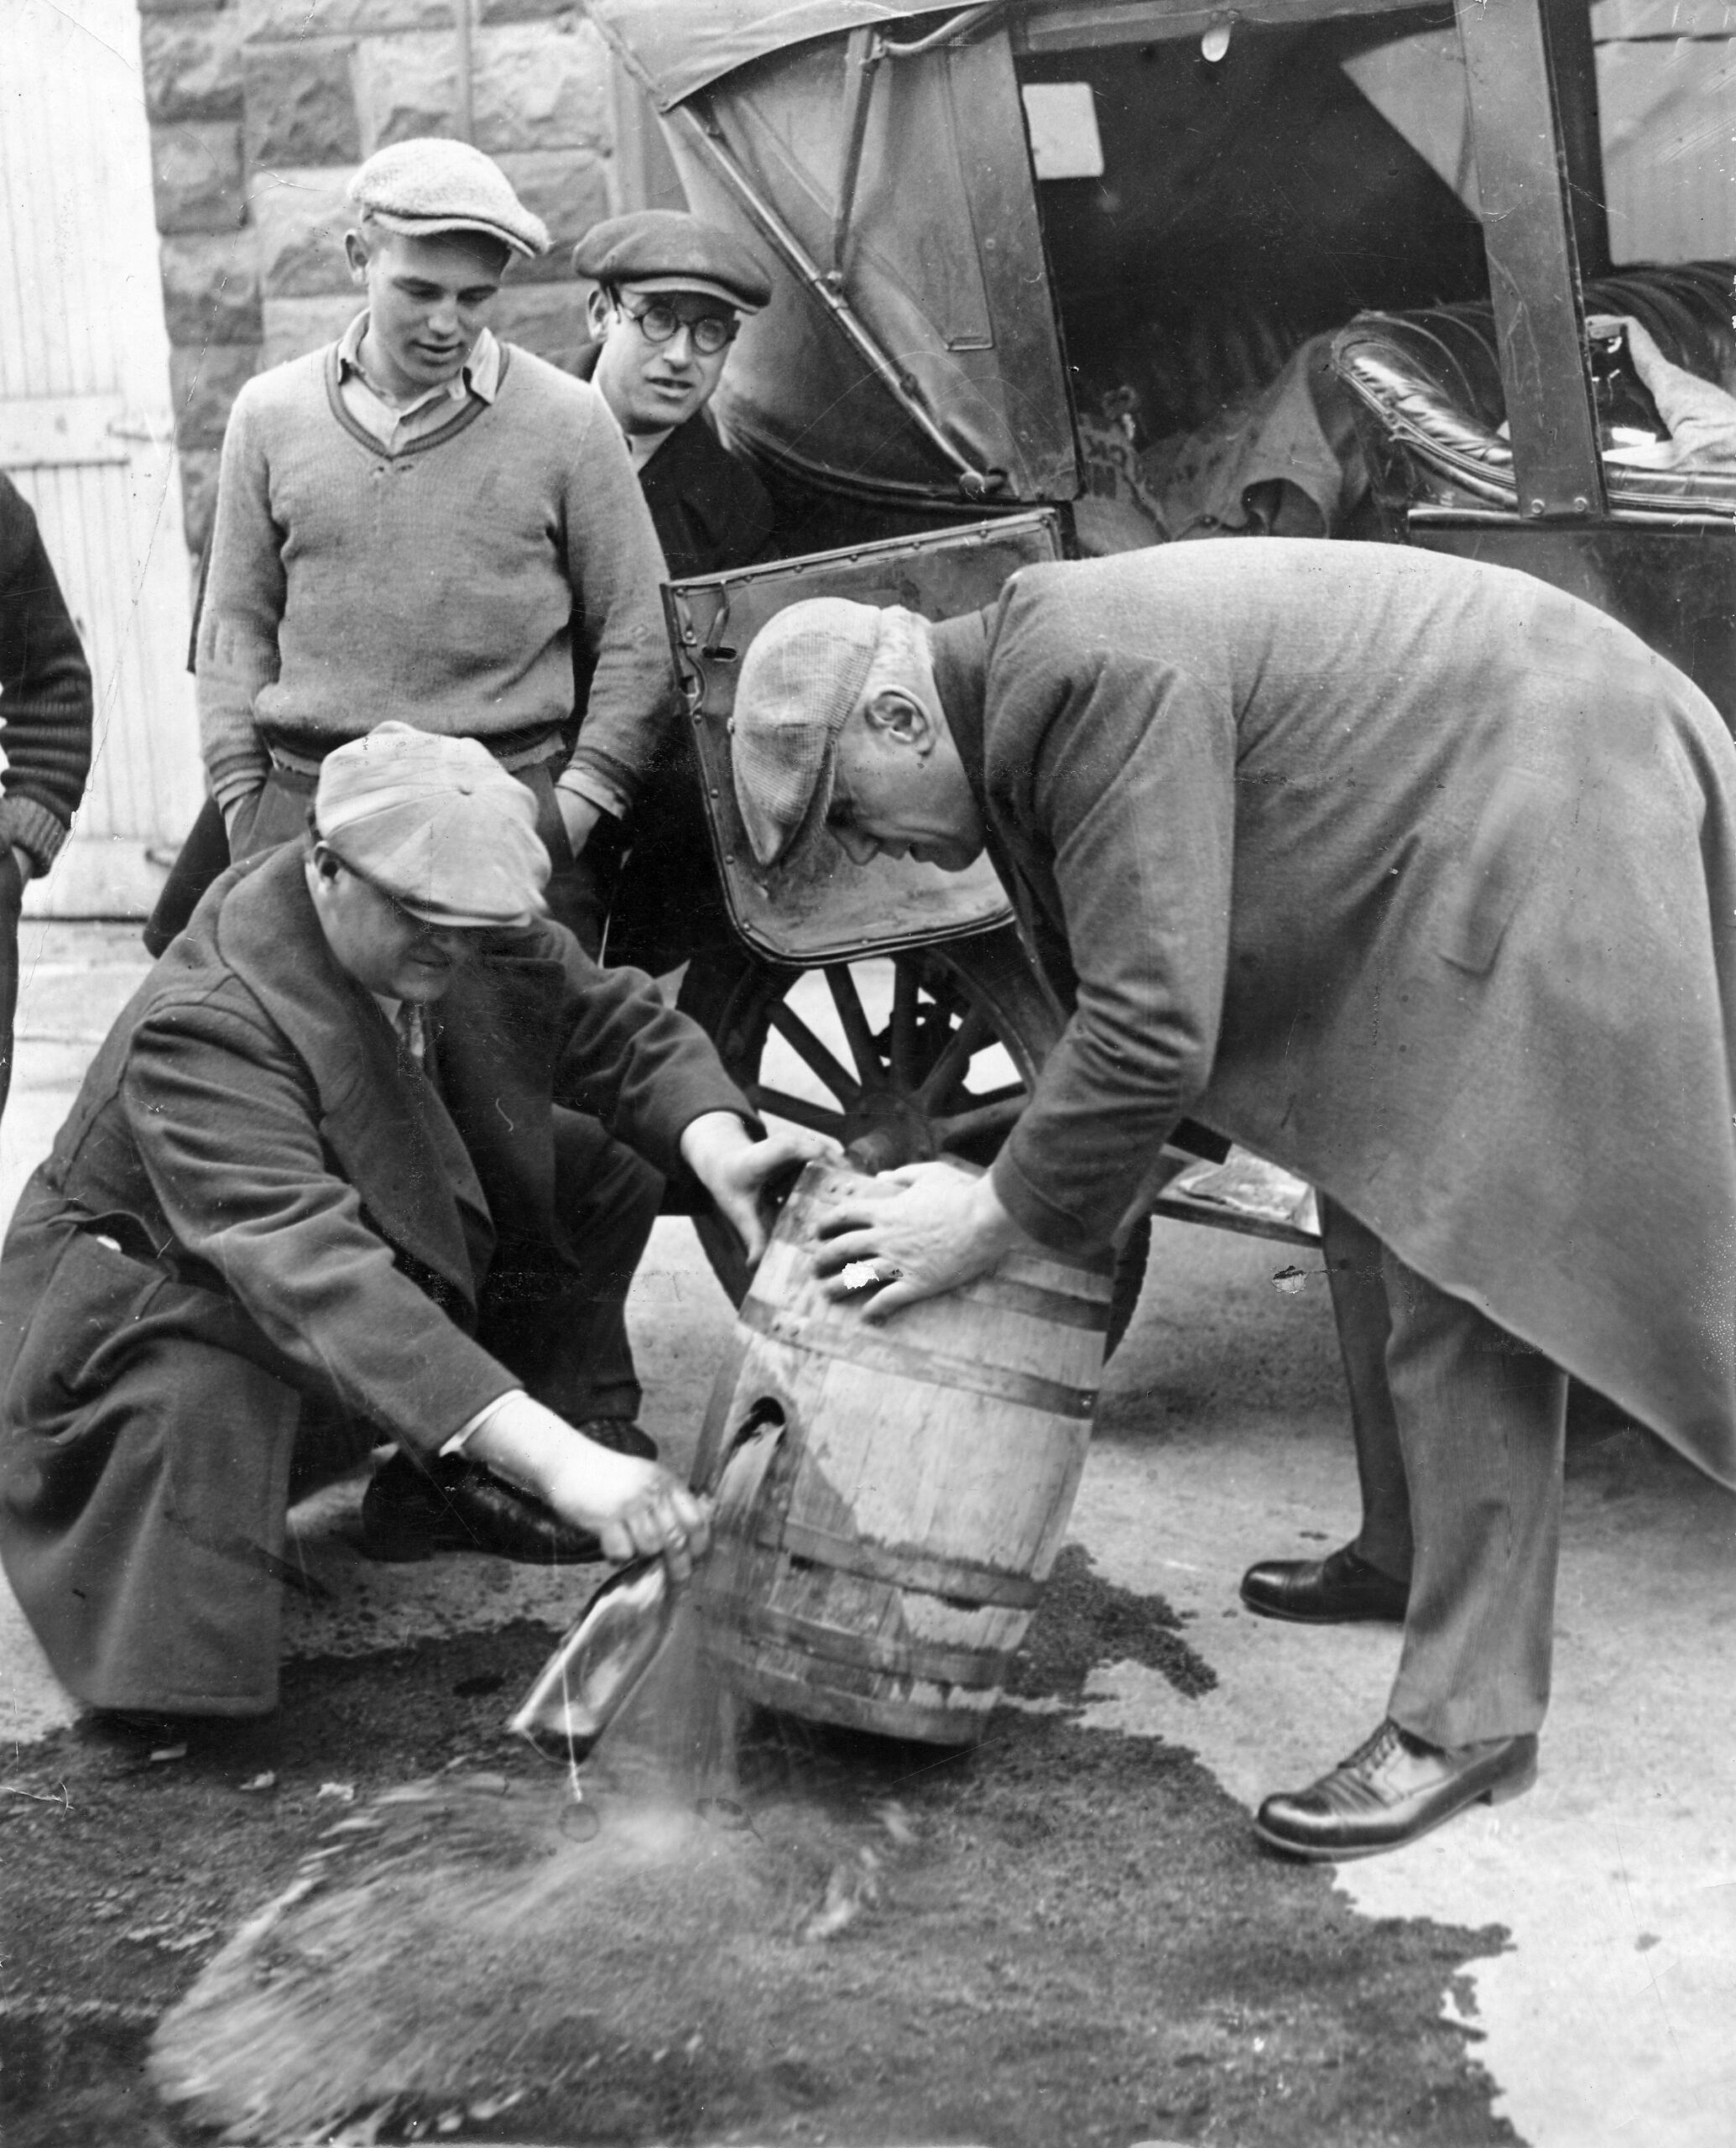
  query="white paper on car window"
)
[{"x": 1063, "y": 139}]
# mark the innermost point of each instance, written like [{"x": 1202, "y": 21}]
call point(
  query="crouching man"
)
[
  {"x": 1413, "y": 875},
  {"x": 372, "y": 1155}
]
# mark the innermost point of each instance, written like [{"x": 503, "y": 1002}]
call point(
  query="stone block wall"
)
[{"x": 261, "y": 110}]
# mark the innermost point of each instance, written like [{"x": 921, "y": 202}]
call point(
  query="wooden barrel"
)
[{"x": 900, "y": 1537}]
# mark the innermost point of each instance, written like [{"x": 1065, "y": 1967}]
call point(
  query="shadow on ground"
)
[{"x": 1071, "y": 1935}]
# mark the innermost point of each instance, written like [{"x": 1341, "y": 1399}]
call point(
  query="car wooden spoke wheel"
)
[{"x": 900, "y": 1059}]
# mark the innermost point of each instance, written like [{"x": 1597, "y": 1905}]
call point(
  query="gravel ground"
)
[{"x": 1062, "y": 1935}]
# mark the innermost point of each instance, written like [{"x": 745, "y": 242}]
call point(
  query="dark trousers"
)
[
  {"x": 1460, "y": 1430},
  {"x": 151, "y": 1439}
]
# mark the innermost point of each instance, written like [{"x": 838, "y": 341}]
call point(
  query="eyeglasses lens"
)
[{"x": 709, "y": 332}]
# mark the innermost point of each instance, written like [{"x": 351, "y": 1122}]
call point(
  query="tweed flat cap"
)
[
  {"x": 436, "y": 822},
  {"x": 662, "y": 250},
  {"x": 803, "y": 673},
  {"x": 429, "y": 185}
]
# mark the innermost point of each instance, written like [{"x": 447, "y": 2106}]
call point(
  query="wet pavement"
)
[{"x": 1605, "y": 2022}]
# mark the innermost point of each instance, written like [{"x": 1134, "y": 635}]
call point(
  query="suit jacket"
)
[
  {"x": 250, "y": 1129},
  {"x": 1417, "y": 877}
]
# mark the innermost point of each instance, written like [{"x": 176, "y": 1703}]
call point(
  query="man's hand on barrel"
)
[
  {"x": 922, "y": 1230},
  {"x": 734, "y": 1168},
  {"x": 635, "y": 1509}
]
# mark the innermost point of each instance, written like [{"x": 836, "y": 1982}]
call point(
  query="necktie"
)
[{"x": 412, "y": 1031}]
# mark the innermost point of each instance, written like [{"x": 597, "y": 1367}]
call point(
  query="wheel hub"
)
[{"x": 885, "y": 1130}]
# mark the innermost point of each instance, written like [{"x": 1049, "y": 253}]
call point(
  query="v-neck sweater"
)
[{"x": 442, "y": 586}]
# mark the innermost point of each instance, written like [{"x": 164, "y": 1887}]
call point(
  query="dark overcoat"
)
[
  {"x": 709, "y": 510},
  {"x": 1417, "y": 877},
  {"x": 711, "y": 514},
  {"x": 256, "y": 1203}
]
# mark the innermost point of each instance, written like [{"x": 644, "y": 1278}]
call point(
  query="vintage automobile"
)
[{"x": 1077, "y": 274}]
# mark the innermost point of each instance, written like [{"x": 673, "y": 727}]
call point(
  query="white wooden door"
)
[{"x": 86, "y": 425}]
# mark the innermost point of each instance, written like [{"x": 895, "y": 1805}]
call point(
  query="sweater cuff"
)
[
  {"x": 28, "y": 825},
  {"x": 595, "y": 788},
  {"x": 234, "y": 780},
  {"x": 609, "y": 774}
]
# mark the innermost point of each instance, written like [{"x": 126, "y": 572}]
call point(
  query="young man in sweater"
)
[{"x": 421, "y": 523}]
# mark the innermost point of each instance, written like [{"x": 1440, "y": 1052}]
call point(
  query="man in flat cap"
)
[
  {"x": 422, "y": 523},
  {"x": 371, "y": 1155},
  {"x": 1415, "y": 876},
  {"x": 669, "y": 293}
]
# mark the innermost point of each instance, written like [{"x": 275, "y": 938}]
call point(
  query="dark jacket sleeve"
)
[
  {"x": 227, "y": 1121},
  {"x": 630, "y": 1059},
  {"x": 1119, "y": 779},
  {"x": 45, "y": 699}
]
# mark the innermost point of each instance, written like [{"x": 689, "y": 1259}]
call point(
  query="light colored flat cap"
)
[
  {"x": 429, "y": 185},
  {"x": 663, "y": 250},
  {"x": 803, "y": 673},
  {"x": 436, "y": 823}
]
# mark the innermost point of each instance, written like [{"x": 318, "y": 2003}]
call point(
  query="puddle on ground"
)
[{"x": 677, "y": 1846}]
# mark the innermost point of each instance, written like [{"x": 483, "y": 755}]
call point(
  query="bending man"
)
[{"x": 1415, "y": 876}]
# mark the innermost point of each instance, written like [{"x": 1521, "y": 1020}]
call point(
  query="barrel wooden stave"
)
[{"x": 931, "y": 1469}]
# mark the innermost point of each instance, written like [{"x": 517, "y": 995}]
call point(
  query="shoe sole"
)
[
  {"x": 1323, "y": 1618},
  {"x": 1498, "y": 1793}
]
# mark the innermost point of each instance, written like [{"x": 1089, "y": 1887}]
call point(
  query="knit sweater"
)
[
  {"x": 45, "y": 701},
  {"x": 441, "y": 586}
]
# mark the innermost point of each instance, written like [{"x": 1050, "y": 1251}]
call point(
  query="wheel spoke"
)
[
  {"x": 802, "y": 1040},
  {"x": 858, "y": 1035},
  {"x": 973, "y": 1032},
  {"x": 815, "y": 1117},
  {"x": 1014, "y": 1092},
  {"x": 995, "y": 1118},
  {"x": 904, "y": 986}
]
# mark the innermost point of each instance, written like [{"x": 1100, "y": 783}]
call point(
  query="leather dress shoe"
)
[
  {"x": 454, "y": 1505},
  {"x": 1338, "y": 1590},
  {"x": 1391, "y": 1790}
]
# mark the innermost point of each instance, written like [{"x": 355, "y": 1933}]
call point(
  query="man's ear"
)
[
  {"x": 326, "y": 861},
  {"x": 355, "y": 251},
  {"x": 597, "y": 311},
  {"x": 900, "y": 717}
]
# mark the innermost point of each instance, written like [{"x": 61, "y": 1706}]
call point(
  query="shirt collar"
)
[{"x": 478, "y": 376}]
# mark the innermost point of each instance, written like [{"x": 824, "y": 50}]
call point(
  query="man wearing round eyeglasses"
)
[
  {"x": 669, "y": 299},
  {"x": 669, "y": 294}
]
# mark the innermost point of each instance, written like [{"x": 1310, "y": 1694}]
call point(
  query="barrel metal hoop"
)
[
  {"x": 973, "y": 1668},
  {"x": 1054, "y": 1306},
  {"x": 958, "y": 1580},
  {"x": 857, "y": 1346},
  {"x": 961, "y": 1724}
]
